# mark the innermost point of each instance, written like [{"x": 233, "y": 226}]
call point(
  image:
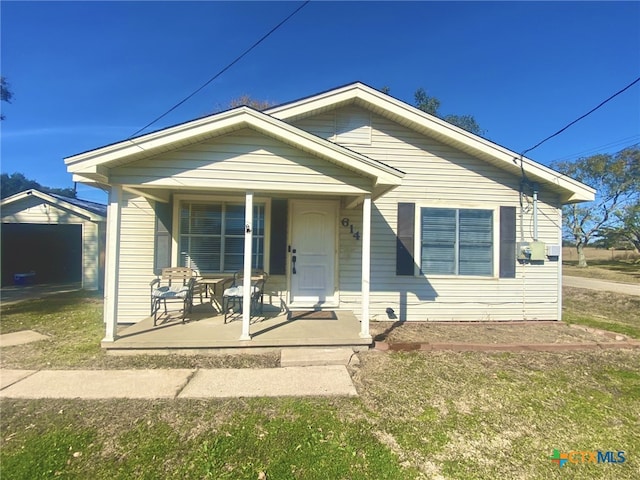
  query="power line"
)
[
  {"x": 583, "y": 116},
  {"x": 264, "y": 37},
  {"x": 627, "y": 141}
]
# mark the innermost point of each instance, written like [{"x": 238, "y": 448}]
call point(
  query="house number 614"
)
[{"x": 346, "y": 223}]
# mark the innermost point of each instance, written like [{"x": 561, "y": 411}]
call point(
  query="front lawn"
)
[
  {"x": 419, "y": 415},
  {"x": 604, "y": 310}
]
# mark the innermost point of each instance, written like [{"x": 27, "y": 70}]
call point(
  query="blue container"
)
[{"x": 24, "y": 278}]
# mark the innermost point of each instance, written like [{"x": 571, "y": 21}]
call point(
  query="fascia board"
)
[
  {"x": 152, "y": 141},
  {"x": 332, "y": 98},
  {"x": 86, "y": 164}
]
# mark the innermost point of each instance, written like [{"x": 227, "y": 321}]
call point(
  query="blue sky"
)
[{"x": 85, "y": 74}]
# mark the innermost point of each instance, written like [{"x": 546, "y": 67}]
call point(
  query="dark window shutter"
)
[
  {"x": 162, "y": 255},
  {"x": 278, "y": 253},
  {"x": 405, "y": 263},
  {"x": 507, "y": 242}
]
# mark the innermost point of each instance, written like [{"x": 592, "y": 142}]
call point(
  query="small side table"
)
[{"x": 211, "y": 288}]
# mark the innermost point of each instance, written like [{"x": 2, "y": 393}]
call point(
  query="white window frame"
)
[
  {"x": 417, "y": 238},
  {"x": 217, "y": 199}
]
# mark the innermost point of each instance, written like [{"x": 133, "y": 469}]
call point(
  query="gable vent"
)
[{"x": 353, "y": 127}]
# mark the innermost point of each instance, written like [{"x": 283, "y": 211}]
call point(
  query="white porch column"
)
[
  {"x": 248, "y": 244},
  {"x": 112, "y": 262},
  {"x": 366, "y": 265}
]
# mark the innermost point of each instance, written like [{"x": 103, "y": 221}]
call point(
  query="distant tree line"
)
[{"x": 17, "y": 182}]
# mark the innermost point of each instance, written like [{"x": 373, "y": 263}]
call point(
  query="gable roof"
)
[
  {"x": 94, "y": 164},
  {"x": 362, "y": 95},
  {"x": 84, "y": 208}
]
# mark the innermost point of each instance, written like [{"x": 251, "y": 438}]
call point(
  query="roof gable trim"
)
[
  {"x": 363, "y": 94},
  {"x": 56, "y": 201},
  {"x": 240, "y": 117}
]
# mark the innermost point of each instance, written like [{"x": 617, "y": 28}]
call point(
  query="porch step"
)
[{"x": 304, "y": 357}]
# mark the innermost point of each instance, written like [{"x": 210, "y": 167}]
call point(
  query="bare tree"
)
[{"x": 616, "y": 179}]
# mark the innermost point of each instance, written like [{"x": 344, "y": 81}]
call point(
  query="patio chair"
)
[
  {"x": 233, "y": 296},
  {"x": 175, "y": 284}
]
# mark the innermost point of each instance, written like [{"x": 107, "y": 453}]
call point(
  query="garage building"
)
[{"x": 49, "y": 238}]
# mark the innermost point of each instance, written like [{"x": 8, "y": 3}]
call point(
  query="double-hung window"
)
[
  {"x": 212, "y": 236},
  {"x": 456, "y": 241}
]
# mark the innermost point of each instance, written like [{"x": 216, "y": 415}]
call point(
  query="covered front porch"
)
[
  {"x": 204, "y": 331},
  {"x": 235, "y": 192}
]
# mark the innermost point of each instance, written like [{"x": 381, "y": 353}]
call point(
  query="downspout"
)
[{"x": 535, "y": 211}]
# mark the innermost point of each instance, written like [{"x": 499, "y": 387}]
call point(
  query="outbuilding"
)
[{"x": 49, "y": 238}]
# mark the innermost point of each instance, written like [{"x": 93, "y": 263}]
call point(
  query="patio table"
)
[{"x": 211, "y": 288}]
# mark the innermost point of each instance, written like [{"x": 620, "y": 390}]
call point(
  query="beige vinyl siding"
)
[
  {"x": 136, "y": 258},
  {"x": 90, "y": 256},
  {"x": 35, "y": 210},
  {"x": 439, "y": 176},
  {"x": 242, "y": 160}
]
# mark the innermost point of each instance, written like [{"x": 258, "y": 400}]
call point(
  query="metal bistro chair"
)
[
  {"x": 233, "y": 296},
  {"x": 173, "y": 285}
]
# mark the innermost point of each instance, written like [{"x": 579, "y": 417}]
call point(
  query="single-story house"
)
[
  {"x": 49, "y": 238},
  {"x": 350, "y": 199}
]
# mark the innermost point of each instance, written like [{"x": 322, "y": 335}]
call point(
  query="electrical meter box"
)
[
  {"x": 522, "y": 251},
  {"x": 538, "y": 251}
]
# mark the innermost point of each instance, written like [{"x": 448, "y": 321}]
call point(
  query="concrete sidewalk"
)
[
  {"x": 602, "y": 285},
  {"x": 329, "y": 380}
]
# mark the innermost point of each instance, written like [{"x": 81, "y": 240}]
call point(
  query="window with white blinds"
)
[
  {"x": 456, "y": 241},
  {"x": 212, "y": 237}
]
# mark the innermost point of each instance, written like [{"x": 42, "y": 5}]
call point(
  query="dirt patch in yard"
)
[{"x": 488, "y": 333}]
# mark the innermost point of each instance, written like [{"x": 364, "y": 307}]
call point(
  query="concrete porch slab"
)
[
  {"x": 270, "y": 382},
  {"x": 205, "y": 330}
]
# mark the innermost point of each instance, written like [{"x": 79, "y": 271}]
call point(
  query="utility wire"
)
[
  {"x": 580, "y": 118},
  {"x": 264, "y": 37},
  {"x": 629, "y": 141}
]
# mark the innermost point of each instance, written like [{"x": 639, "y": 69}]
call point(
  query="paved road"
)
[{"x": 596, "y": 284}]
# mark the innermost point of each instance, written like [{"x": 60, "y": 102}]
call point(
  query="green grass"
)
[
  {"x": 604, "y": 310},
  {"x": 625, "y": 271},
  {"x": 500, "y": 416},
  {"x": 46, "y": 454},
  {"x": 287, "y": 439}
]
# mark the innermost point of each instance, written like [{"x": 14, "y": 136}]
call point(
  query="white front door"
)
[{"x": 312, "y": 257}]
